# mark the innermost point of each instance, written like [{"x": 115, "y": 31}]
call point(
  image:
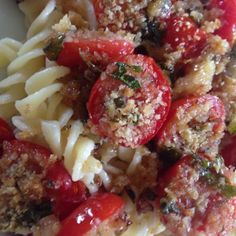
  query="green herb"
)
[
  {"x": 35, "y": 212},
  {"x": 136, "y": 119},
  {"x": 232, "y": 125},
  {"x": 169, "y": 206},
  {"x": 53, "y": 49},
  {"x": 229, "y": 190},
  {"x": 233, "y": 52},
  {"x": 121, "y": 74},
  {"x": 212, "y": 173}
]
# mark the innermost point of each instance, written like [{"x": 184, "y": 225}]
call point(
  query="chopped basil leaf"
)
[
  {"x": 229, "y": 190},
  {"x": 232, "y": 125},
  {"x": 136, "y": 119},
  {"x": 127, "y": 79},
  {"x": 212, "y": 173},
  {"x": 137, "y": 69},
  {"x": 233, "y": 52},
  {"x": 35, "y": 212},
  {"x": 53, "y": 49}
]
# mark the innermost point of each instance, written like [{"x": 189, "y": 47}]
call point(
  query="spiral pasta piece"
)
[
  {"x": 76, "y": 149},
  {"x": 8, "y": 51},
  {"x": 23, "y": 61},
  {"x": 45, "y": 19}
]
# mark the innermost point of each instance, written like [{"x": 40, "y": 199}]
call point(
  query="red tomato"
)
[
  {"x": 119, "y": 15},
  {"x": 5, "y": 131},
  {"x": 125, "y": 115},
  {"x": 22, "y": 147},
  {"x": 91, "y": 213},
  {"x": 228, "y": 151},
  {"x": 65, "y": 194},
  {"x": 38, "y": 156},
  {"x": 194, "y": 124},
  {"x": 193, "y": 206},
  {"x": 93, "y": 48},
  {"x": 228, "y": 18},
  {"x": 183, "y": 33}
]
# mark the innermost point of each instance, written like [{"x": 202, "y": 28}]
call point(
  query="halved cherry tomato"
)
[
  {"x": 119, "y": 15},
  {"x": 194, "y": 124},
  {"x": 38, "y": 156},
  {"x": 65, "y": 194},
  {"x": 192, "y": 206},
  {"x": 84, "y": 47},
  {"x": 183, "y": 34},
  {"x": 228, "y": 151},
  {"x": 91, "y": 213},
  {"x": 24, "y": 147},
  {"x": 130, "y": 116},
  {"x": 228, "y": 18},
  {"x": 5, "y": 131}
]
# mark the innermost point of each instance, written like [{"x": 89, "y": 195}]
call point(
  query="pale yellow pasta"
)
[
  {"x": 24, "y": 60},
  {"x": 76, "y": 149},
  {"x": 143, "y": 224},
  {"x": 8, "y": 50},
  {"x": 32, "y": 9}
]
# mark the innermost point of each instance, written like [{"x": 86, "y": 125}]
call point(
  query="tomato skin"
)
[
  {"x": 22, "y": 147},
  {"x": 172, "y": 126},
  {"x": 91, "y": 213},
  {"x": 109, "y": 50},
  {"x": 38, "y": 155},
  {"x": 182, "y": 31},
  {"x": 105, "y": 85},
  {"x": 228, "y": 18},
  {"x": 65, "y": 194},
  {"x": 5, "y": 131},
  {"x": 228, "y": 151},
  {"x": 212, "y": 209}
]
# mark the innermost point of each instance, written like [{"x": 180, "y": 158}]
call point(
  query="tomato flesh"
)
[
  {"x": 91, "y": 213},
  {"x": 65, "y": 194},
  {"x": 141, "y": 112},
  {"x": 99, "y": 50},
  {"x": 212, "y": 213},
  {"x": 228, "y": 18},
  {"x": 5, "y": 131},
  {"x": 183, "y": 34},
  {"x": 228, "y": 151},
  {"x": 187, "y": 118}
]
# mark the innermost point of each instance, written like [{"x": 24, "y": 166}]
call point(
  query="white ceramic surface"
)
[{"x": 11, "y": 20}]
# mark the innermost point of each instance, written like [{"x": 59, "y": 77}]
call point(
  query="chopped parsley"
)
[
  {"x": 53, "y": 49},
  {"x": 121, "y": 74}
]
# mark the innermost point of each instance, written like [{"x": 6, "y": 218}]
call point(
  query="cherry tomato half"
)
[
  {"x": 38, "y": 156},
  {"x": 92, "y": 47},
  {"x": 126, "y": 114},
  {"x": 183, "y": 34},
  {"x": 91, "y": 213},
  {"x": 194, "y": 124},
  {"x": 228, "y": 18},
  {"x": 65, "y": 194},
  {"x": 193, "y": 206},
  {"x": 5, "y": 131}
]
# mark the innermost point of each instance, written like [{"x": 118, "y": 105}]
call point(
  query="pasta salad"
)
[{"x": 119, "y": 118}]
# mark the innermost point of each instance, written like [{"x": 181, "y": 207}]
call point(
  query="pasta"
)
[
  {"x": 27, "y": 59},
  {"x": 115, "y": 119}
]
